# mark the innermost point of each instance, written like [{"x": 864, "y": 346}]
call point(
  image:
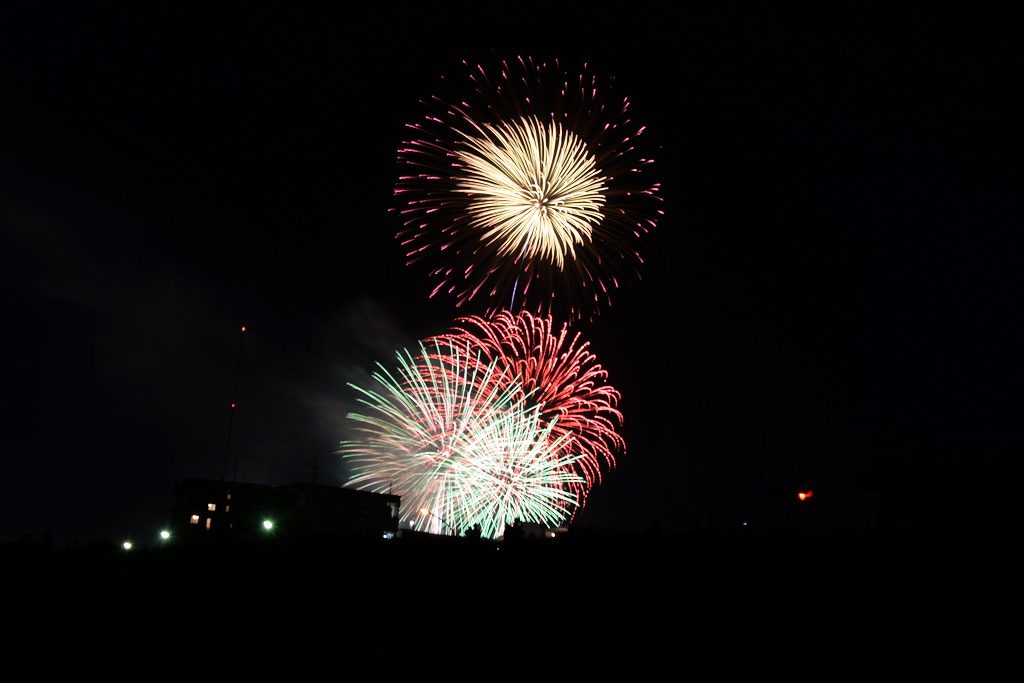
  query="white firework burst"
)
[{"x": 456, "y": 438}]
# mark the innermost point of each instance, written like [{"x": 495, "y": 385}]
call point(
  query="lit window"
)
[
  {"x": 209, "y": 523},
  {"x": 229, "y": 495},
  {"x": 212, "y": 507},
  {"x": 194, "y": 519},
  {"x": 227, "y": 508}
]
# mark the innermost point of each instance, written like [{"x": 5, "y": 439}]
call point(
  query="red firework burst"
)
[{"x": 559, "y": 374}]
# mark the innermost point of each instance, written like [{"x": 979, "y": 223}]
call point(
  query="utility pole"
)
[{"x": 761, "y": 493}]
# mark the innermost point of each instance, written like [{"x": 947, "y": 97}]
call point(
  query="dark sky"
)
[{"x": 840, "y": 261}]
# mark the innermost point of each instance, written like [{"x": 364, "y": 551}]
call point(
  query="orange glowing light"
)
[{"x": 804, "y": 495}]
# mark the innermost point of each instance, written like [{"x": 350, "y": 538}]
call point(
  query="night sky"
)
[{"x": 839, "y": 267}]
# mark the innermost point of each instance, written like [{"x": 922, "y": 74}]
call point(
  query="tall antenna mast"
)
[{"x": 234, "y": 401}]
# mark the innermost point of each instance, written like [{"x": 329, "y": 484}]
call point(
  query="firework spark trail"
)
[
  {"x": 456, "y": 438},
  {"x": 536, "y": 180}
]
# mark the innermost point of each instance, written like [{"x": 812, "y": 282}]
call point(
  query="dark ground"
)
[{"x": 602, "y": 606}]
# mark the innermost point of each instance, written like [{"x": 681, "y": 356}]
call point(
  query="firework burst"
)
[
  {"x": 531, "y": 189},
  {"x": 454, "y": 435},
  {"x": 534, "y": 182},
  {"x": 558, "y": 375}
]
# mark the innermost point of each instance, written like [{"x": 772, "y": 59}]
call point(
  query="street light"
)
[
  {"x": 127, "y": 545},
  {"x": 268, "y": 524},
  {"x": 165, "y": 535}
]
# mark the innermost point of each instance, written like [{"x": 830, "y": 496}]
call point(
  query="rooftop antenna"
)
[{"x": 233, "y": 406}]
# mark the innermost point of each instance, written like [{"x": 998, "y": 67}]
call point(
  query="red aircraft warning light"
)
[
  {"x": 243, "y": 328},
  {"x": 804, "y": 495}
]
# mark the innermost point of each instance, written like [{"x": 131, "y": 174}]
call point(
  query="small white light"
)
[
  {"x": 268, "y": 525},
  {"x": 127, "y": 545},
  {"x": 165, "y": 534}
]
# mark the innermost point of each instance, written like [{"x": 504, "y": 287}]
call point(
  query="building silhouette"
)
[{"x": 216, "y": 508}]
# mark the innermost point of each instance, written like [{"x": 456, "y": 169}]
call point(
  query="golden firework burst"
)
[{"x": 534, "y": 189}]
